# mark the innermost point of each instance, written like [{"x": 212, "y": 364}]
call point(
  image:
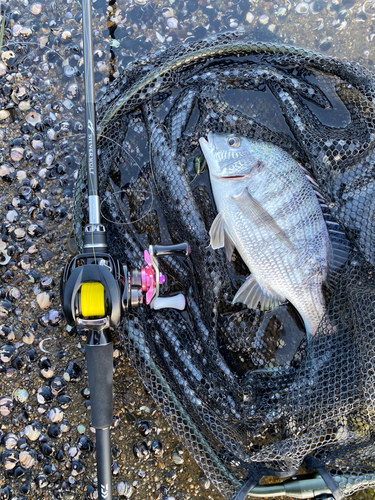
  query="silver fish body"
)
[{"x": 268, "y": 210}]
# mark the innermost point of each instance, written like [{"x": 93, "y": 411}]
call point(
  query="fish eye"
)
[{"x": 234, "y": 142}]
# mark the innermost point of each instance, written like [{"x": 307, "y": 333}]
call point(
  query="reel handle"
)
[{"x": 178, "y": 250}]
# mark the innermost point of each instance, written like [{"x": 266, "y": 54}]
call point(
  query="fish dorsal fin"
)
[
  {"x": 220, "y": 237},
  {"x": 340, "y": 246},
  {"x": 340, "y": 249},
  {"x": 257, "y": 215},
  {"x": 251, "y": 294}
]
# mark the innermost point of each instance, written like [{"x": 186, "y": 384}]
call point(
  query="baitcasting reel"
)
[{"x": 96, "y": 289}]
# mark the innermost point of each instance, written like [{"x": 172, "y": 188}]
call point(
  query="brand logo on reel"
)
[
  {"x": 90, "y": 127},
  {"x": 104, "y": 490}
]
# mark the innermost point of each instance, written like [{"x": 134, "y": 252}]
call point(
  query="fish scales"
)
[{"x": 270, "y": 213}]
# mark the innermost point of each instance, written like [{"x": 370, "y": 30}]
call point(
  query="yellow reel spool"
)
[{"x": 92, "y": 300}]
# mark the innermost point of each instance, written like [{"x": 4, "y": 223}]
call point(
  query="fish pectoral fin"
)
[
  {"x": 257, "y": 215},
  {"x": 220, "y": 238},
  {"x": 251, "y": 294}
]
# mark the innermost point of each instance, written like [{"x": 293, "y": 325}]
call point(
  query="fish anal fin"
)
[{"x": 251, "y": 294}]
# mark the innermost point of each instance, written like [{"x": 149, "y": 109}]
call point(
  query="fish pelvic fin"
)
[
  {"x": 257, "y": 215},
  {"x": 251, "y": 294},
  {"x": 220, "y": 238}
]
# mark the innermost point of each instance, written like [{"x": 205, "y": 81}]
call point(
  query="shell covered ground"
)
[{"x": 47, "y": 445}]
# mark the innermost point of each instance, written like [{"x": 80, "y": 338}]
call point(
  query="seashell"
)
[
  {"x": 73, "y": 451},
  {"x": 44, "y": 395},
  {"x": 6, "y": 406},
  {"x": 33, "y": 431},
  {"x": 171, "y": 476},
  {"x": 31, "y": 354},
  {"x": 144, "y": 427},
  {"x": 233, "y": 23},
  {"x": 24, "y": 105},
  {"x": 369, "y": 8},
  {"x": 302, "y": 8},
  {"x": 12, "y": 216},
  {"x": 177, "y": 459},
  {"x": 10, "y": 459},
  {"x": 264, "y": 19},
  {"x": 37, "y": 145},
  {"x": 41, "y": 482},
  {"x": 81, "y": 429},
  {"x": 16, "y": 29},
  {"x": 28, "y": 338},
  {"x": 9, "y": 57},
  {"x": 65, "y": 426},
  {"x": 21, "y": 175},
  {"x": 25, "y": 32},
  {"x": 141, "y": 450},
  {"x": 66, "y": 36},
  {"x": 316, "y": 6},
  {"x": 168, "y": 12},
  {"x": 4, "y": 258},
  {"x": 33, "y": 118},
  {"x": 46, "y": 449},
  {"x": 85, "y": 444},
  {"x": 19, "y": 234},
  {"x": 172, "y": 23},
  {"x": 205, "y": 482},
  {"x": 156, "y": 448},
  {"x": 35, "y": 230},
  {"x": 17, "y": 363},
  {"x": 56, "y": 415},
  {"x": 21, "y": 395},
  {"x": 10, "y": 441},
  {"x": 73, "y": 91},
  {"x": 64, "y": 401},
  {"x": 124, "y": 489},
  {"x": 44, "y": 300},
  {"x": 54, "y": 431},
  {"x": 3, "y": 68},
  {"x": 36, "y": 8},
  {"x": 77, "y": 467},
  {"x": 4, "y": 114},
  {"x": 43, "y": 40},
  {"x": 5, "y": 308},
  {"x": 57, "y": 385},
  {"x": 14, "y": 293},
  {"x": 27, "y": 458},
  {"x": 73, "y": 372},
  {"x": 6, "y": 170},
  {"x": 16, "y": 154}
]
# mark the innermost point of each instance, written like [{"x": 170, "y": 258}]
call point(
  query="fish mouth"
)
[{"x": 207, "y": 145}]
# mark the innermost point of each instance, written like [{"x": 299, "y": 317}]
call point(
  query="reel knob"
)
[{"x": 174, "y": 302}]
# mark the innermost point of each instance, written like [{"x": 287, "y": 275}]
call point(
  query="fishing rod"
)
[{"x": 97, "y": 290}]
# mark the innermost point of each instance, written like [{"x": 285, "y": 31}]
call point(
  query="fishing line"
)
[{"x": 134, "y": 190}]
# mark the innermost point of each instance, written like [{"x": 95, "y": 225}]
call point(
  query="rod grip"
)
[{"x": 100, "y": 374}]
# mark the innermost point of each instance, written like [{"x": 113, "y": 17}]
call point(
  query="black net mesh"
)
[{"x": 243, "y": 389}]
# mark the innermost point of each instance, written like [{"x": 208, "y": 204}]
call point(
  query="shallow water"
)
[{"x": 46, "y": 40}]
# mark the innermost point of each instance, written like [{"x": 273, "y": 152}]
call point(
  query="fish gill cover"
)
[{"x": 242, "y": 388}]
